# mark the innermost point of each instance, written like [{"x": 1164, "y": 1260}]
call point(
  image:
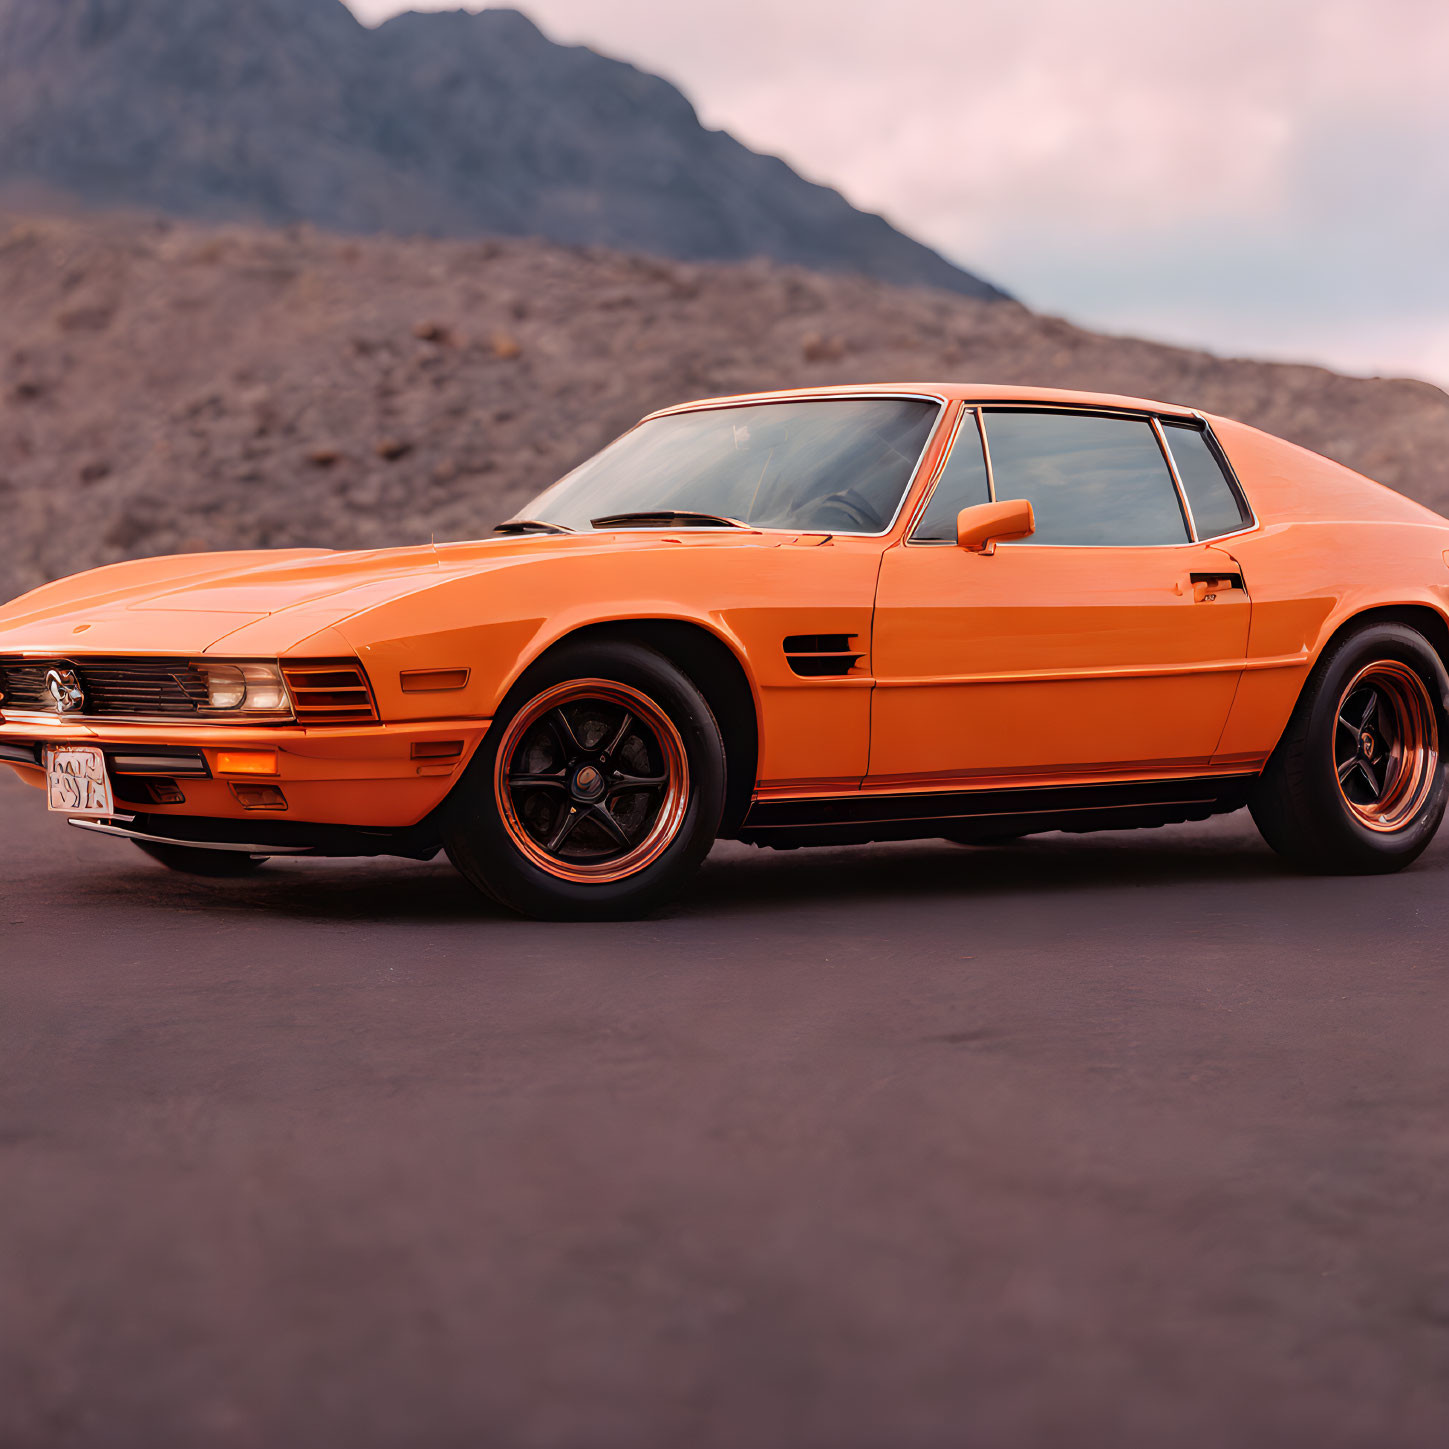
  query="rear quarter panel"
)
[{"x": 1331, "y": 545}]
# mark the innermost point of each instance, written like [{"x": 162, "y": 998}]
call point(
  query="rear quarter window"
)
[{"x": 1216, "y": 507}]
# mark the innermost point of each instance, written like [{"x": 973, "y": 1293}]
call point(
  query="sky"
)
[{"x": 1259, "y": 177}]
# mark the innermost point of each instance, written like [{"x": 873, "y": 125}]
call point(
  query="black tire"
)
[
  {"x": 498, "y": 844},
  {"x": 1298, "y": 803},
  {"x": 214, "y": 864}
]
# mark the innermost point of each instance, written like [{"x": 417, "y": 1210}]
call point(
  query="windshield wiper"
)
[
  {"x": 530, "y": 525},
  {"x": 666, "y": 518}
]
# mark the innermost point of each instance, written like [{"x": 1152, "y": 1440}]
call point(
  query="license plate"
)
[{"x": 76, "y": 781}]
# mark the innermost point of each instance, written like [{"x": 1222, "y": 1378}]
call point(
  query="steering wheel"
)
[{"x": 854, "y": 509}]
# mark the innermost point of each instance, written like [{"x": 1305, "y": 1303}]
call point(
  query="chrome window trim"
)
[
  {"x": 972, "y": 410},
  {"x": 758, "y": 399},
  {"x": 1101, "y": 410},
  {"x": 943, "y": 405},
  {"x": 1182, "y": 502},
  {"x": 1220, "y": 453},
  {"x": 986, "y": 453},
  {"x": 968, "y": 410},
  {"x": 1139, "y": 416},
  {"x": 979, "y": 408}
]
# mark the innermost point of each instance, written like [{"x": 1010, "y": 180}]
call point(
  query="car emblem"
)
[
  {"x": 588, "y": 781},
  {"x": 65, "y": 689},
  {"x": 1367, "y": 740}
]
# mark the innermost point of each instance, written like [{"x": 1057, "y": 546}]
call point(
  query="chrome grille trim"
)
[
  {"x": 123, "y": 690},
  {"x": 158, "y": 688}
]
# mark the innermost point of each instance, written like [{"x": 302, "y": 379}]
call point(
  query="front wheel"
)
[
  {"x": 1357, "y": 785},
  {"x": 597, "y": 792}
]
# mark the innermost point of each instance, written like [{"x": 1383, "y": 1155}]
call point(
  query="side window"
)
[
  {"x": 1097, "y": 481},
  {"x": 1216, "y": 508},
  {"x": 961, "y": 485}
]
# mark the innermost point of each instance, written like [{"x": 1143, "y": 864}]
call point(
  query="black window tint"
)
[
  {"x": 962, "y": 484},
  {"x": 1215, "y": 507},
  {"x": 1091, "y": 480}
]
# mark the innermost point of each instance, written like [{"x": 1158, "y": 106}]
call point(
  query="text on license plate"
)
[{"x": 76, "y": 780}]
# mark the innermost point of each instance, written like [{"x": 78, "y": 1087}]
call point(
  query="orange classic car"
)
[{"x": 845, "y": 615}]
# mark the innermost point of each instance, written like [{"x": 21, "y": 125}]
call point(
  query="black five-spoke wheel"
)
[
  {"x": 1386, "y": 744},
  {"x": 1357, "y": 783},
  {"x": 599, "y": 790},
  {"x": 592, "y": 778}
]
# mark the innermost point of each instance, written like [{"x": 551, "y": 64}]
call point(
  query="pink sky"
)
[{"x": 1256, "y": 176}]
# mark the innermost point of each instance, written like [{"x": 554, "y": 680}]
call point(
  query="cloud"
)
[{"x": 1244, "y": 174}]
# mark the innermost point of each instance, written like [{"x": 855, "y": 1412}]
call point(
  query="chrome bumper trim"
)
[{"x": 100, "y": 827}]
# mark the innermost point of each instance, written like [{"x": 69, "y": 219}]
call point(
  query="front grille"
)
[
  {"x": 323, "y": 691},
  {"x": 149, "y": 688}
]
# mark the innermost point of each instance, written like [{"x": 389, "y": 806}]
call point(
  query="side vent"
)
[
  {"x": 817, "y": 656},
  {"x": 329, "y": 691}
]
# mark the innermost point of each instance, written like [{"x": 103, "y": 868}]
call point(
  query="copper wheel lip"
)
[
  {"x": 1408, "y": 758},
  {"x": 671, "y": 812}
]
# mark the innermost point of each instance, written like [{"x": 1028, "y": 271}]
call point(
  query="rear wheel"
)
[
  {"x": 1357, "y": 785},
  {"x": 216, "y": 864},
  {"x": 597, "y": 792}
]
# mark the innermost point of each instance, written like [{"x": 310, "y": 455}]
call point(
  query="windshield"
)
[{"x": 837, "y": 465}]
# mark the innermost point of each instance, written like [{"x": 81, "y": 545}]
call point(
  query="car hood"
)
[{"x": 195, "y": 603}]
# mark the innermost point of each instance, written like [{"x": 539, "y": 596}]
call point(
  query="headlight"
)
[{"x": 251, "y": 688}]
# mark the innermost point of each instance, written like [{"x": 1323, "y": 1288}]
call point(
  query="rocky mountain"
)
[
  {"x": 170, "y": 387},
  {"x": 439, "y": 124}
]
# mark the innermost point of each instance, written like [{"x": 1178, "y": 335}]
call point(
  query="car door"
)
[{"x": 1107, "y": 644}]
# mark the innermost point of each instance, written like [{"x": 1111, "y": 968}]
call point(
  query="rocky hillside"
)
[
  {"x": 286, "y": 111},
  {"x": 171, "y": 387}
]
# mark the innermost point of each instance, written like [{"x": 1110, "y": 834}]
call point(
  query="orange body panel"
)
[
  {"x": 1029, "y": 664},
  {"x": 1331, "y": 545},
  {"x": 984, "y": 673}
]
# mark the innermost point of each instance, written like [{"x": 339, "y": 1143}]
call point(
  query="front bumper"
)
[{"x": 383, "y": 776}]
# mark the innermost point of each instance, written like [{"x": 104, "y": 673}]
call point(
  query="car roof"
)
[{"x": 983, "y": 392}]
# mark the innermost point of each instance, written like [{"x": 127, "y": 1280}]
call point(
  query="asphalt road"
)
[{"x": 1133, "y": 1140}]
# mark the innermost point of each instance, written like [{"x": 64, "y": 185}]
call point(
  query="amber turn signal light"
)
[
  {"x": 432, "y": 681},
  {"x": 246, "y": 762}
]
